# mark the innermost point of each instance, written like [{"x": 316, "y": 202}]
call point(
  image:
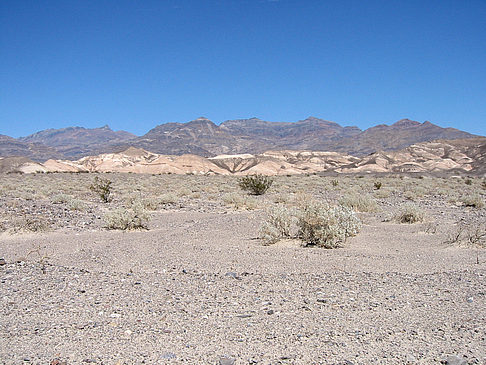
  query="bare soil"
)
[{"x": 198, "y": 287}]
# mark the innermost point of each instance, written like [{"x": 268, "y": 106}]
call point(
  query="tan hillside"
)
[{"x": 466, "y": 156}]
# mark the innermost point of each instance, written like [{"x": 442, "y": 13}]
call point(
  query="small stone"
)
[
  {"x": 270, "y": 312},
  {"x": 456, "y": 360},
  {"x": 470, "y": 299},
  {"x": 168, "y": 356},
  {"x": 226, "y": 361},
  {"x": 232, "y": 275}
]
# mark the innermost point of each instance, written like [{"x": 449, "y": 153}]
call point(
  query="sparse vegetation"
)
[
  {"x": 377, "y": 185},
  {"x": 315, "y": 224},
  {"x": 359, "y": 202},
  {"x": 255, "y": 184},
  {"x": 473, "y": 200},
  {"x": 134, "y": 217},
  {"x": 410, "y": 213},
  {"x": 102, "y": 187}
]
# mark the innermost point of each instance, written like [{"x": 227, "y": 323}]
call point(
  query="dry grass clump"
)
[
  {"x": 316, "y": 224},
  {"x": 167, "y": 198},
  {"x": 359, "y": 202},
  {"x": 134, "y": 217},
  {"x": 237, "y": 201},
  {"x": 29, "y": 223},
  {"x": 409, "y": 213}
]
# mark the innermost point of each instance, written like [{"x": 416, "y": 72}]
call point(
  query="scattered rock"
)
[
  {"x": 232, "y": 275},
  {"x": 456, "y": 360},
  {"x": 168, "y": 356},
  {"x": 226, "y": 361}
]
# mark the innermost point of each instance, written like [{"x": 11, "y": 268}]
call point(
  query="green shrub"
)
[
  {"x": 255, "y": 184},
  {"x": 377, "y": 185},
  {"x": 409, "y": 213},
  {"x": 334, "y": 182},
  {"x": 103, "y": 188}
]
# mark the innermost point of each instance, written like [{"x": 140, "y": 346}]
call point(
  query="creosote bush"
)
[
  {"x": 103, "y": 188},
  {"x": 410, "y": 213},
  {"x": 255, "y": 184},
  {"x": 314, "y": 224}
]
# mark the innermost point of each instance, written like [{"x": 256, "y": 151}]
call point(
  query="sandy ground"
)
[{"x": 199, "y": 288}]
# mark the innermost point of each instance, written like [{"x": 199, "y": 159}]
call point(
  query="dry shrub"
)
[
  {"x": 474, "y": 200},
  {"x": 30, "y": 223},
  {"x": 314, "y": 224},
  {"x": 238, "y": 201},
  {"x": 409, "y": 213},
  {"x": 470, "y": 234},
  {"x": 134, "y": 217},
  {"x": 359, "y": 202}
]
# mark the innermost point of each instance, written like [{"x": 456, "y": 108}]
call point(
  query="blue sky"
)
[{"x": 136, "y": 64}]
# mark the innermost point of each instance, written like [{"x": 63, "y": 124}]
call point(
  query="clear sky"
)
[{"x": 136, "y": 64}]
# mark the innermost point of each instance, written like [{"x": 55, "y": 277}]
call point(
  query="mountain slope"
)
[{"x": 75, "y": 142}]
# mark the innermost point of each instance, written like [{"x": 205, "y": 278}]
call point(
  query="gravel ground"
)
[{"x": 198, "y": 288}]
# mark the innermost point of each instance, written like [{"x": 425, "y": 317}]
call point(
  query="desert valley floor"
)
[{"x": 198, "y": 286}]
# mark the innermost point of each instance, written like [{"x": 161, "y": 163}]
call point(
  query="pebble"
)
[
  {"x": 456, "y": 360},
  {"x": 227, "y": 361}
]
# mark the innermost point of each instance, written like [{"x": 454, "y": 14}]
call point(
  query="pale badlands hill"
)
[{"x": 461, "y": 156}]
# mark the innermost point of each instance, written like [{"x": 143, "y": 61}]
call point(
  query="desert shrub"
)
[
  {"x": 102, "y": 187},
  {"x": 78, "y": 205},
  {"x": 474, "y": 200},
  {"x": 30, "y": 223},
  {"x": 167, "y": 198},
  {"x": 238, "y": 201},
  {"x": 326, "y": 226},
  {"x": 359, "y": 202},
  {"x": 468, "y": 182},
  {"x": 134, "y": 217},
  {"x": 377, "y": 185},
  {"x": 334, "y": 182},
  {"x": 183, "y": 191},
  {"x": 469, "y": 234},
  {"x": 382, "y": 193},
  {"x": 409, "y": 213},
  {"x": 255, "y": 184},
  {"x": 279, "y": 224},
  {"x": 314, "y": 224},
  {"x": 61, "y": 198}
]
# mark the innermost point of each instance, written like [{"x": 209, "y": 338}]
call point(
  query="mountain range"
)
[{"x": 204, "y": 138}]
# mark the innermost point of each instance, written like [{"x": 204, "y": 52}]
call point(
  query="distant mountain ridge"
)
[{"x": 204, "y": 138}]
